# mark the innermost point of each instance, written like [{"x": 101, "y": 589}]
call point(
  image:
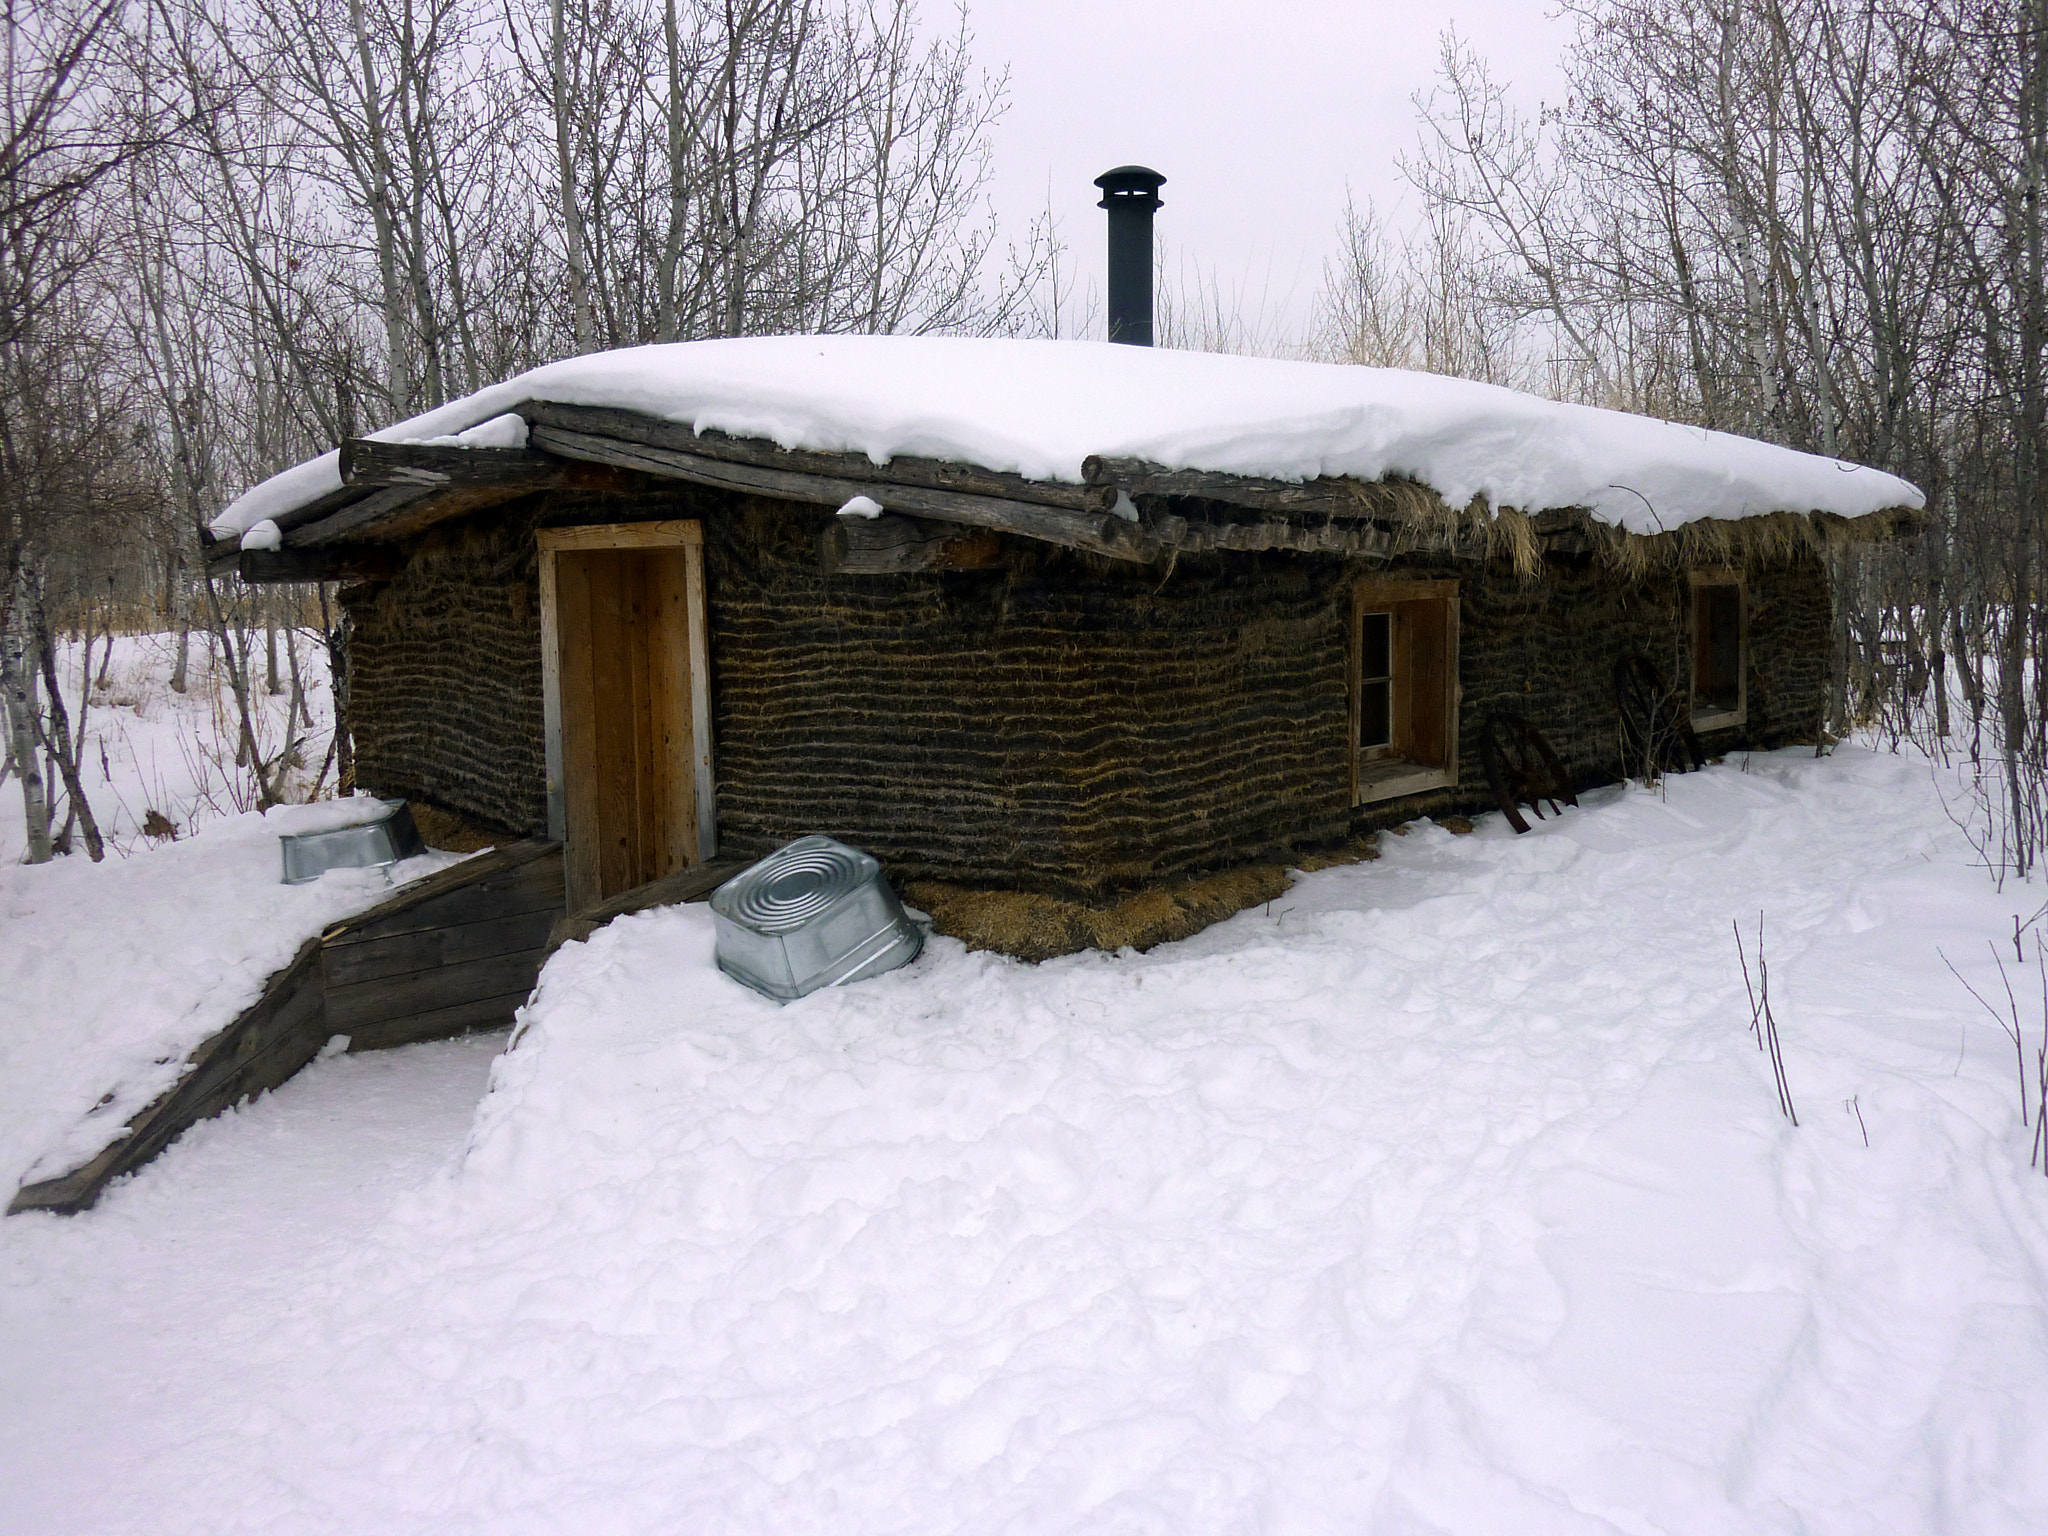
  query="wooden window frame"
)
[
  {"x": 1384, "y": 774},
  {"x": 689, "y": 537},
  {"x": 1718, "y": 576}
]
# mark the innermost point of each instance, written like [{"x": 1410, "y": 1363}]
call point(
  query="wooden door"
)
[{"x": 622, "y": 621}]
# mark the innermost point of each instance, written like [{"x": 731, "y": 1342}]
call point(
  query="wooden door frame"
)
[
  {"x": 1718, "y": 576},
  {"x": 687, "y": 536},
  {"x": 1392, "y": 776}
]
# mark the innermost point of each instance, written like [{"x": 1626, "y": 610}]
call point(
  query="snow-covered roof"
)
[{"x": 1038, "y": 408}]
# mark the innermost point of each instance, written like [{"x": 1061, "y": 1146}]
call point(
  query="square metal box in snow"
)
[
  {"x": 388, "y": 838},
  {"x": 812, "y": 914}
]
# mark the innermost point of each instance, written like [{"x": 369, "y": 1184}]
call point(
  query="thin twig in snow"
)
[
  {"x": 1755, "y": 1008},
  {"x": 1763, "y": 1022},
  {"x": 2011, "y": 1027}
]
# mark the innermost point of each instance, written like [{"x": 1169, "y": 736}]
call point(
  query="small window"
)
[
  {"x": 1719, "y": 649},
  {"x": 1404, "y": 682},
  {"x": 1376, "y": 682}
]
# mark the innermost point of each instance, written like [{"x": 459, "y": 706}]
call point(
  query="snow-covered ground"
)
[
  {"x": 1449, "y": 1193},
  {"x": 112, "y": 973}
]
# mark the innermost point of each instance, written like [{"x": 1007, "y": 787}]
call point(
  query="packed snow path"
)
[
  {"x": 1447, "y": 1194},
  {"x": 136, "y": 1366}
]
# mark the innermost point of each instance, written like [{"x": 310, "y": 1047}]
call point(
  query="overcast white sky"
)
[{"x": 1258, "y": 114}]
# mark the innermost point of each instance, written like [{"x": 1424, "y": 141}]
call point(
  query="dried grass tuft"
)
[
  {"x": 1425, "y": 523},
  {"x": 1359, "y": 850},
  {"x": 1511, "y": 536},
  {"x": 452, "y": 832},
  {"x": 1032, "y": 927}
]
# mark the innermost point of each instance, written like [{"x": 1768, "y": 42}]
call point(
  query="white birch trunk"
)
[{"x": 17, "y": 685}]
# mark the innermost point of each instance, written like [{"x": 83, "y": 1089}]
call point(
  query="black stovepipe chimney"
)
[{"x": 1130, "y": 193}]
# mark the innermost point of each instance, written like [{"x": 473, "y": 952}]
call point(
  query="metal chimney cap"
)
[{"x": 1129, "y": 184}]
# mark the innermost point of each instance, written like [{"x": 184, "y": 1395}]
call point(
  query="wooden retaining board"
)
[
  {"x": 685, "y": 885},
  {"x": 458, "y": 952},
  {"x": 274, "y": 1037},
  {"x": 455, "y": 952}
]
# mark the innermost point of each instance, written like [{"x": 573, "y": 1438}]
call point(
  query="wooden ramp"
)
[{"x": 455, "y": 952}]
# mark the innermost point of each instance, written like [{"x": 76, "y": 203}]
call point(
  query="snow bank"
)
[
  {"x": 1450, "y": 1194},
  {"x": 113, "y": 972},
  {"x": 1038, "y": 408},
  {"x": 1447, "y": 1195},
  {"x": 104, "y": 969}
]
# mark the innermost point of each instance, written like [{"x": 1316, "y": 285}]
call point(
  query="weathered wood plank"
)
[
  {"x": 507, "y": 899},
  {"x": 574, "y": 603},
  {"x": 1415, "y": 518},
  {"x": 398, "y": 520},
  {"x": 1331, "y": 496},
  {"x": 322, "y": 507},
  {"x": 903, "y": 470},
  {"x": 697, "y": 643},
  {"x": 616, "y": 638},
  {"x": 269, "y": 1041},
  {"x": 1053, "y": 525},
  {"x": 695, "y": 884},
  {"x": 440, "y": 1023},
  {"x": 347, "y": 562},
  {"x": 350, "y": 1008},
  {"x": 1142, "y": 477},
  {"x": 661, "y": 533},
  {"x": 223, "y": 556},
  {"x": 500, "y": 883},
  {"x": 365, "y": 461},
  {"x": 673, "y": 791},
  {"x": 891, "y": 545},
  {"x": 401, "y": 953},
  {"x": 357, "y": 514}
]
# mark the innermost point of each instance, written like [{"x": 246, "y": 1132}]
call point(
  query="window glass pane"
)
[
  {"x": 1376, "y": 647},
  {"x": 1375, "y": 713},
  {"x": 1717, "y": 648}
]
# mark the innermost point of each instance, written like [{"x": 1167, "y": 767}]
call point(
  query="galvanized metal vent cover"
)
[{"x": 812, "y": 914}]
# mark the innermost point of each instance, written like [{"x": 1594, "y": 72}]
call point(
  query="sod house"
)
[{"x": 1062, "y": 619}]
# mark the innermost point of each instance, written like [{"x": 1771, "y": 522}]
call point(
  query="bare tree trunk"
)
[
  {"x": 21, "y": 737},
  {"x": 106, "y": 672},
  {"x": 679, "y": 132},
  {"x": 1756, "y": 331},
  {"x": 398, "y": 358},
  {"x": 183, "y": 650},
  {"x": 565, "y": 160},
  {"x": 61, "y": 748},
  {"x": 21, "y": 746},
  {"x": 297, "y": 708},
  {"x": 249, "y": 753},
  {"x": 334, "y": 629},
  {"x": 271, "y": 684}
]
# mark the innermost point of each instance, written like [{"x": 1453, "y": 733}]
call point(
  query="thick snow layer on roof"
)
[{"x": 1038, "y": 408}]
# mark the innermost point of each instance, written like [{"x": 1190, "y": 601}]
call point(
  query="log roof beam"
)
[
  {"x": 1093, "y": 532},
  {"x": 904, "y": 471}
]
